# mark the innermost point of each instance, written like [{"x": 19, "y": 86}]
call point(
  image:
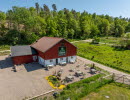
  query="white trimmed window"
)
[{"x": 61, "y": 58}]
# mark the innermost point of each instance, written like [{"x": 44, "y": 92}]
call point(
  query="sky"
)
[{"x": 113, "y": 8}]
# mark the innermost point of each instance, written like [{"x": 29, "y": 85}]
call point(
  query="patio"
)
[{"x": 76, "y": 71}]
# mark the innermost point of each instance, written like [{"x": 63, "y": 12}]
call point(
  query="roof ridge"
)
[{"x": 45, "y": 43}]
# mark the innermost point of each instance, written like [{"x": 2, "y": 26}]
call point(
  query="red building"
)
[{"x": 46, "y": 51}]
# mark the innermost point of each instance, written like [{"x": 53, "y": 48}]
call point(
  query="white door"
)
[{"x": 34, "y": 58}]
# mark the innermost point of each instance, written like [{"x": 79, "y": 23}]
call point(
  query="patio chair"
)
[{"x": 72, "y": 70}]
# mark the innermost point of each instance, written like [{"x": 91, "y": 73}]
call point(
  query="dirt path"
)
[
  {"x": 111, "y": 70},
  {"x": 88, "y": 40}
]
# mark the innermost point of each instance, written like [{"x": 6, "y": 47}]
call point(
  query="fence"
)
[{"x": 118, "y": 78}]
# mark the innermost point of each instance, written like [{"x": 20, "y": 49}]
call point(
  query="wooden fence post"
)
[{"x": 113, "y": 76}]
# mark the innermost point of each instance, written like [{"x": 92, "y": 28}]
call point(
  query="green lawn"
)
[
  {"x": 4, "y": 47},
  {"x": 114, "y": 92},
  {"x": 119, "y": 59}
]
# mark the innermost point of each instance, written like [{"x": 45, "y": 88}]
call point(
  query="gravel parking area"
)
[
  {"x": 29, "y": 79},
  {"x": 23, "y": 83}
]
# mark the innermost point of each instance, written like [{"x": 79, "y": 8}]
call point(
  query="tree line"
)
[{"x": 21, "y": 25}]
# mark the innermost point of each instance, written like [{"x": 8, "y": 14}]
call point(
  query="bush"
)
[{"x": 96, "y": 40}]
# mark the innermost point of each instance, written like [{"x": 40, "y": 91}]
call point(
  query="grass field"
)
[
  {"x": 114, "y": 92},
  {"x": 110, "y": 40},
  {"x": 119, "y": 59}
]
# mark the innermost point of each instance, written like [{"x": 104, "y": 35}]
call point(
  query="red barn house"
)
[{"x": 47, "y": 51}]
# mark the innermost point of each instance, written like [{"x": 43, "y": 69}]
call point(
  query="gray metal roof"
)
[{"x": 22, "y": 50}]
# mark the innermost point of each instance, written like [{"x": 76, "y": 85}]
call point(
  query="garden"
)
[{"x": 109, "y": 56}]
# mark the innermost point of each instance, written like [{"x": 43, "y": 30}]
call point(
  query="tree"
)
[
  {"x": 104, "y": 27},
  {"x": 35, "y": 22},
  {"x": 71, "y": 32},
  {"x": 37, "y": 7},
  {"x": 94, "y": 31},
  {"x": 127, "y": 29},
  {"x": 2, "y": 16},
  {"x": 9, "y": 17},
  {"x": 46, "y": 10},
  {"x": 54, "y": 7},
  {"x": 2, "y": 26}
]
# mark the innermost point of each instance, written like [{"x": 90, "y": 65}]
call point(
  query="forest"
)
[{"x": 22, "y": 25}]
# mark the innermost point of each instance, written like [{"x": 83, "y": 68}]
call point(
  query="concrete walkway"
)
[{"x": 111, "y": 70}]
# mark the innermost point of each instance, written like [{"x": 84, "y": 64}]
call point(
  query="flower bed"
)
[{"x": 54, "y": 82}]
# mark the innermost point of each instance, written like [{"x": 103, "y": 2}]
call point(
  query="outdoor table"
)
[
  {"x": 71, "y": 61},
  {"x": 86, "y": 68},
  {"x": 93, "y": 70},
  {"x": 69, "y": 78},
  {"x": 79, "y": 73},
  {"x": 50, "y": 66},
  {"x": 63, "y": 63}
]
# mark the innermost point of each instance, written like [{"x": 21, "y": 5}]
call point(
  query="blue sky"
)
[{"x": 112, "y": 7}]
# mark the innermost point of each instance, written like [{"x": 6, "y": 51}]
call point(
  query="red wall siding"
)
[
  {"x": 53, "y": 52},
  {"x": 41, "y": 54},
  {"x": 23, "y": 59}
]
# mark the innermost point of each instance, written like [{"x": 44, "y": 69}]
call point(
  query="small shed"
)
[{"x": 23, "y": 54}]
